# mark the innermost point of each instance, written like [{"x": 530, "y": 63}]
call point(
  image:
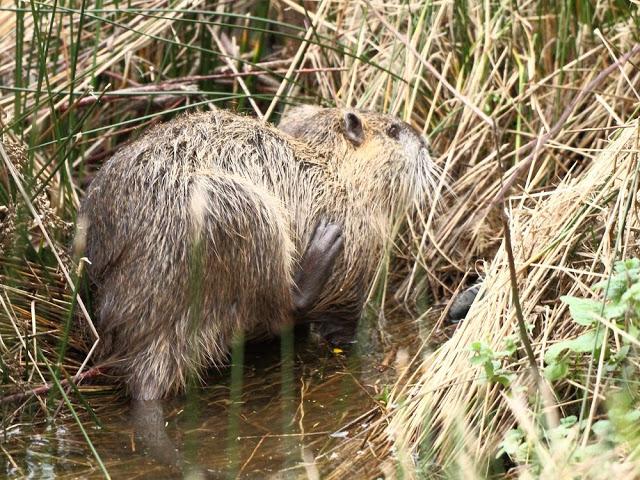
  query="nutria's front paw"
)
[{"x": 316, "y": 265}]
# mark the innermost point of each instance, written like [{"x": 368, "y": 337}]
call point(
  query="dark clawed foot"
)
[
  {"x": 462, "y": 303},
  {"x": 316, "y": 265}
]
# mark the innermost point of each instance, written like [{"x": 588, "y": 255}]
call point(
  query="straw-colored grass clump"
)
[
  {"x": 564, "y": 241},
  {"x": 554, "y": 86},
  {"x": 449, "y": 418}
]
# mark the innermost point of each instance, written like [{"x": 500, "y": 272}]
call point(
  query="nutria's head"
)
[{"x": 379, "y": 157}]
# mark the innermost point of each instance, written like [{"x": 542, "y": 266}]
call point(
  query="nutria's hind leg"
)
[
  {"x": 248, "y": 258},
  {"x": 316, "y": 265}
]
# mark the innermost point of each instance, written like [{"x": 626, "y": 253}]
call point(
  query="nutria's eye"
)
[{"x": 394, "y": 131}]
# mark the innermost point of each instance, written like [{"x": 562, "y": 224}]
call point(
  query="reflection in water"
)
[
  {"x": 276, "y": 413},
  {"x": 37, "y": 455},
  {"x": 149, "y": 428}
]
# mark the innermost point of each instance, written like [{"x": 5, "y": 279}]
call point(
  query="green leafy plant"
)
[
  {"x": 615, "y": 428},
  {"x": 523, "y": 449},
  {"x": 619, "y": 306},
  {"x": 491, "y": 361}
]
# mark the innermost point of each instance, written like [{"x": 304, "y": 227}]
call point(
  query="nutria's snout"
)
[{"x": 423, "y": 175}]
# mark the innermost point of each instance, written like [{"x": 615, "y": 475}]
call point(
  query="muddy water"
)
[{"x": 270, "y": 419}]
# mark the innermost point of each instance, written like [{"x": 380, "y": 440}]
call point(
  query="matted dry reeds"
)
[{"x": 558, "y": 83}]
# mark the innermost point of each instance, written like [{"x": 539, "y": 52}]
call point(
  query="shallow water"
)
[{"x": 287, "y": 422}]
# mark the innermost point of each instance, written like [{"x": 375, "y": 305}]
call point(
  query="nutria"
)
[{"x": 215, "y": 223}]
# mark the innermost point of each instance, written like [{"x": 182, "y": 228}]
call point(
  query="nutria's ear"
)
[{"x": 353, "y": 128}]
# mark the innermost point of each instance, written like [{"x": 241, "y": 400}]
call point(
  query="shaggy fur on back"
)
[{"x": 194, "y": 231}]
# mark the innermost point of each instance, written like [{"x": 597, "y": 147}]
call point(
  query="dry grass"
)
[
  {"x": 564, "y": 241},
  {"x": 75, "y": 87}
]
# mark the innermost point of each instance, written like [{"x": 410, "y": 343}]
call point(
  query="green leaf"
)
[
  {"x": 583, "y": 343},
  {"x": 584, "y": 311},
  {"x": 627, "y": 265},
  {"x": 489, "y": 370},
  {"x": 632, "y": 295},
  {"x": 589, "y": 452},
  {"x": 616, "y": 287},
  {"x": 556, "y": 370},
  {"x": 627, "y": 273},
  {"x": 510, "y": 345},
  {"x": 478, "y": 360},
  {"x": 621, "y": 354},
  {"x": 505, "y": 379},
  {"x": 559, "y": 433},
  {"x": 511, "y": 443},
  {"x": 602, "y": 428},
  {"x": 614, "y": 310},
  {"x": 631, "y": 417}
]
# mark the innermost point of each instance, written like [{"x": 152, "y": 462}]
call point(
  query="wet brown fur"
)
[{"x": 194, "y": 231}]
